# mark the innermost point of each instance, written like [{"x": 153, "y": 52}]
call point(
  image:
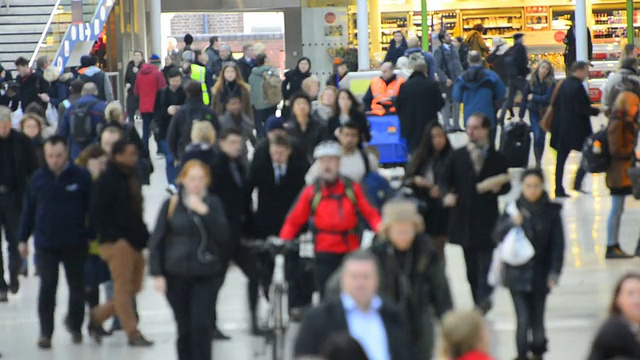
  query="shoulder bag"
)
[{"x": 546, "y": 122}]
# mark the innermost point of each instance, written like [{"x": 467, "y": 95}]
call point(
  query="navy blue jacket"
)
[
  {"x": 428, "y": 58},
  {"x": 480, "y": 90},
  {"x": 97, "y": 116},
  {"x": 56, "y": 209},
  {"x": 395, "y": 52},
  {"x": 542, "y": 93}
]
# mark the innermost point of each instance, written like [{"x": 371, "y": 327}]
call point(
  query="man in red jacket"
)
[
  {"x": 148, "y": 82},
  {"x": 331, "y": 207}
]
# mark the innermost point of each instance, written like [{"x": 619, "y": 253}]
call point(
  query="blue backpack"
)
[{"x": 376, "y": 188}]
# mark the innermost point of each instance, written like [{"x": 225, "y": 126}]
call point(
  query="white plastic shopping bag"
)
[
  {"x": 52, "y": 116},
  {"x": 494, "y": 277},
  {"x": 516, "y": 247}
]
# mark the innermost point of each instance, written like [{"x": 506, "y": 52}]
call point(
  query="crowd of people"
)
[{"x": 74, "y": 166}]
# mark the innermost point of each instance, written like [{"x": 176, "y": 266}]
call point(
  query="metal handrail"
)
[{"x": 44, "y": 33}]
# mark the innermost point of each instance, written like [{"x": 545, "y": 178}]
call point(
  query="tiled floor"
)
[{"x": 574, "y": 308}]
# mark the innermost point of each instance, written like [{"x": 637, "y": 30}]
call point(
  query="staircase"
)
[{"x": 21, "y": 27}]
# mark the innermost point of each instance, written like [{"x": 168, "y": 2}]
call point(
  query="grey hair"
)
[{"x": 5, "y": 114}]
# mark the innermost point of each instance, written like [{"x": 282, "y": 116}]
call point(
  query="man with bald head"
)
[
  {"x": 80, "y": 122},
  {"x": 381, "y": 96},
  {"x": 415, "y": 47}
]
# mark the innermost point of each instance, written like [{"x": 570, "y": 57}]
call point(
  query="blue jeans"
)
[
  {"x": 613, "y": 224},
  {"x": 539, "y": 136},
  {"x": 146, "y": 129},
  {"x": 260, "y": 118},
  {"x": 172, "y": 171}
]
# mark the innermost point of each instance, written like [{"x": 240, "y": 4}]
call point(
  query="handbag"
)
[
  {"x": 634, "y": 173},
  {"x": 516, "y": 249},
  {"x": 546, "y": 122},
  {"x": 495, "y": 277}
]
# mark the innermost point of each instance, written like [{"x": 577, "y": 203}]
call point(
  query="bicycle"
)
[{"x": 278, "y": 318}]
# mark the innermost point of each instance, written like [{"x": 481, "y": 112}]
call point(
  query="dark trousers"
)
[
  {"x": 193, "y": 303},
  {"x": 146, "y": 129},
  {"x": 10, "y": 220},
  {"x": 326, "y": 265},
  {"x": 49, "y": 261},
  {"x": 529, "y": 308},
  {"x": 478, "y": 262},
  {"x": 562, "y": 160},
  {"x": 260, "y": 117},
  {"x": 516, "y": 85},
  {"x": 300, "y": 276}
]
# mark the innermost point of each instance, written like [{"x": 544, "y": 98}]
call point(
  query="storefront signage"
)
[{"x": 559, "y": 36}]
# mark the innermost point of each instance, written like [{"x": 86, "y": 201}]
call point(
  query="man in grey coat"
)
[{"x": 448, "y": 69}]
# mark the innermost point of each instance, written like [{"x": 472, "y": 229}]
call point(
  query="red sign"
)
[
  {"x": 330, "y": 18},
  {"x": 595, "y": 94},
  {"x": 559, "y": 36}
]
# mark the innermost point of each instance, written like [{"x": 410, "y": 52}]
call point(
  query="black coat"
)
[
  {"x": 329, "y": 318},
  {"x": 165, "y": 98},
  {"x": 112, "y": 210},
  {"x": 520, "y": 63},
  {"x": 472, "y": 220},
  {"x": 292, "y": 83},
  {"x": 29, "y": 88},
  {"x": 133, "y": 101},
  {"x": 179, "y": 131},
  {"x": 25, "y": 162},
  {"x": 308, "y": 139},
  {"x": 616, "y": 340},
  {"x": 274, "y": 200},
  {"x": 395, "y": 52},
  {"x": 418, "y": 103},
  {"x": 187, "y": 244},
  {"x": 235, "y": 199},
  {"x": 298, "y": 154},
  {"x": 356, "y": 117},
  {"x": 429, "y": 286},
  {"x": 571, "y": 116},
  {"x": 543, "y": 227},
  {"x": 245, "y": 68}
]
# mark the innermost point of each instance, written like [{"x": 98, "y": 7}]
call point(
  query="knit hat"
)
[
  {"x": 396, "y": 210},
  {"x": 155, "y": 59},
  {"x": 188, "y": 39},
  {"x": 274, "y": 123},
  {"x": 518, "y": 36},
  {"x": 86, "y": 61}
]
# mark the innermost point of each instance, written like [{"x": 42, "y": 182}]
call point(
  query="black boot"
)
[
  {"x": 537, "y": 153},
  {"x": 614, "y": 252}
]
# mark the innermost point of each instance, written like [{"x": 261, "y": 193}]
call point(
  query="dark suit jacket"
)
[
  {"x": 472, "y": 220},
  {"x": 329, "y": 318}
]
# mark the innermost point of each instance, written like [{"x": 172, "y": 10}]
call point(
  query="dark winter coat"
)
[
  {"x": 133, "y": 101},
  {"x": 38, "y": 144},
  {"x": 395, "y": 52},
  {"x": 308, "y": 139},
  {"x": 617, "y": 339},
  {"x": 436, "y": 217},
  {"x": 472, "y": 220},
  {"x": 429, "y": 289},
  {"x": 245, "y": 68},
  {"x": 519, "y": 61},
  {"x": 463, "y": 52},
  {"x": 179, "y": 131},
  {"x": 497, "y": 62},
  {"x": 97, "y": 118},
  {"x": 571, "y": 116},
  {"x": 29, "y": 87},
  {"x": 570, "y": 47},
  {"x": 298, "y": 154},
  {"x": 428, "y": 59},
  {"x": 187, "y": 244},
  {"x": 274, "y": 200},
  {"x": 356, "y": 117},
  {"x": 621, "y": 134},
  {"x": 59, "y": 90},
  {"x": 330, "y": 318},
  {"x": 543, "y": 227},
  {"x": 25, "y": 162},
  {"x": 541, "y": 91},
  {"x": 116, "y": 208},
  {"x": 56, "y": 209},
  {"x": 293, "y": 79},
  {"x": 480, "y": 90},
  {"x": 200, "y": 151},
  {"x": 418, "y": 103},
  {"x": 145, "y": 165},
  {"x": 165, "y": 98}
]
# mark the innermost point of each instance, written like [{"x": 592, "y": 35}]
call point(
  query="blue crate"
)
[
  {"x": 391, "y": 153},
  {"x": 385, "y": 136}
]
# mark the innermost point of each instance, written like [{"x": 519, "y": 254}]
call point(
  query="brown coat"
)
[
  {"x": 475, "y": 41},
  {"x": 621, "y": 136},
  {"x": 219, "y": 93}
]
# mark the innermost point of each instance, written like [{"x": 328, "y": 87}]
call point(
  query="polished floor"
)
[{"x": 574, "y": 309}]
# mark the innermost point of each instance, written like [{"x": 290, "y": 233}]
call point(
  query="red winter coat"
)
[
  {"x": 148, "y": 82},
  {"x": 475, "y": 355},
  {"x": 334, "y": 218}
]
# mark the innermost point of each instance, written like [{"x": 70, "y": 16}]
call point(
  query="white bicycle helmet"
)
[{"x": 327, "y": 148}]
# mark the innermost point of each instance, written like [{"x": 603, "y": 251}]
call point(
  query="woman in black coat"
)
[
  {"x": 417, "y": 104},
  {"x": 530, "y": 283},
  {"x": 130, "y": 76},
  {"x": 186, "y": 259},
  {"x": 348, "y": 111},
  {"x": 292, "y": 83},
  {"x": 618, "y": 338},
  {"x": 572, "y": 124},
  {"x": 424, "y": 173}
]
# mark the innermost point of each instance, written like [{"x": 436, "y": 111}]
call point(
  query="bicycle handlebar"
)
[{"x": 273, "y": 244}]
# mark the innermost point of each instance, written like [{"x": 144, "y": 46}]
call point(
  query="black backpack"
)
[
  {"x": 596, "y": 157},
  {"x": 98, "y": 80},
  {"x": 80, "y": 123},
  {"x": 510, "y": 67},
  {"x": 515, "y": 144}
]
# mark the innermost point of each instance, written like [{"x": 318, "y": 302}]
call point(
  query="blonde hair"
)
[
  {"x": 259, "y": 48},
  {"x": 113, "y": 112},
  {"x": 194, "y": 163},
  {"x": 203, "y": 131},
  {"x": 32, "y": 116},
  {"x": 461, "y": 333},
  {"x": 308, "y": 82},
  {"x": 624, "y": 102}
]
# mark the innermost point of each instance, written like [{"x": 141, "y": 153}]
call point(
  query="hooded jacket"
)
[
  {"x": 428, "y": 58},
  {"x": 148, "y": 82},
  {"x": 480, "y": 90},
  {"x": 255, "y": 82},
  {"x": 395, "y": 51},
  {"x": 293, "y": 79},
  {"x": 95, "y": 75}
]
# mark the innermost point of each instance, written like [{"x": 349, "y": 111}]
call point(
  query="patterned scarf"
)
[{"x": 477, "y": 151}]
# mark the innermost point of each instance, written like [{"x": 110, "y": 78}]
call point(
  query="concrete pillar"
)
[
  {"x": 374, "y": 23},
  {"x": 362, "y": 24},
  {"x": 155, "y": 29},
  {"x": 140, "y": 27},
  {"x": 580, "y": 28},
  {"x": 292, "y": 37}
]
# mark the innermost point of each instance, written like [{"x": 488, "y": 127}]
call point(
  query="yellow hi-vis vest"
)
[{"x": 199, "y": 73}]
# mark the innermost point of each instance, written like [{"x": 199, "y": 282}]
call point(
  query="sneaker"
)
[
  {"x": 44, "y": 343},
  {"x": 219, "y": 335},
  {"x": 76, "y": 336},
  {"x": 485, "y": 306},
  {"x": 97, "y": 330},
  {"x": 94, "y": 330},
  {"x": 14, "y": 286},
  {"x": 614, "y": 252},
  {"x": 140, "y": 341},
  {"x": 3, "y": 296}
]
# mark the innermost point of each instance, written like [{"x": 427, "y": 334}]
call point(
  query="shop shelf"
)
[{"x": 515, "y": 26}]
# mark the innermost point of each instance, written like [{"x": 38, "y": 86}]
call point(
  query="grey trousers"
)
[{"x": 451, "y": 111}]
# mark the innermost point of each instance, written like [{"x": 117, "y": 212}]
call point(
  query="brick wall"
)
[{"x": 219, "y": 23}]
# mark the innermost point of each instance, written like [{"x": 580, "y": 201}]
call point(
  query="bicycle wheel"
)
[{"x": 278, "y": 334}]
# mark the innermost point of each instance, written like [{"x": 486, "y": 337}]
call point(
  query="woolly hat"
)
[
  {"x": 188, "y": 39},
  {"x": 274, "y": 123},
  {"x": 155, "y": 59},
  {"x": 86, "y": 61},
  {"x": 396, "y": 210},
  {"x": 518, "y": 36}
]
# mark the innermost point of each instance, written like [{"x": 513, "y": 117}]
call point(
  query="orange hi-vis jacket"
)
[{"x": 381, "y": 90}]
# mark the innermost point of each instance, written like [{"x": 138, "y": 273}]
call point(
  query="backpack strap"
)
[
  {"x": 365, "y": 158},
  {"x": 556, "y": 90},
  {"x": 317, "y": 197},
  {"x": 173, "y": 204}
]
